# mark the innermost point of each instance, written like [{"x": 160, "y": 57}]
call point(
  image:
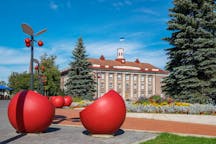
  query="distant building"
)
[{"x": 130, "y": 79}]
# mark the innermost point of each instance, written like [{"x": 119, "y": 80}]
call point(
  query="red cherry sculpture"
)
[
  {"x": 27, "y": 40},
  {"x": 40, "y": 43},
  {"x": 36, "y": 67},
  {"x": 105, "y": 115},
  {"x": 28, "y": 44},
  {"x": 30, "y": 112},
  {"x": 67, "y": 100},
  {"x": 58, "y": 101},
  {"x": 51, "y": 98},
  {"x": 42, "y": 68}
]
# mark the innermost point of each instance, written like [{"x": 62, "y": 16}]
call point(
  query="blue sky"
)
[{"x": 100, "y": 23}]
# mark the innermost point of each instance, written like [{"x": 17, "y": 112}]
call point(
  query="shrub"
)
[
  {"x": 77, "y": 99},
  {"x": 156, "y": 99}
]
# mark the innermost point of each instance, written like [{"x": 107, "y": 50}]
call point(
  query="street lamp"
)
[{"x": 29, "y": 31}]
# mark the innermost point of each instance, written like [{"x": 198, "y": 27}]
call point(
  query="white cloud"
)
[
  {"x": 109, "y": 49},
  {"x": 127, "y": 2},
  {"x": 13, "y": 56},
  {"x": 17, "y": 59},
  {"x": 132, "y": 51},
  {"x": 147, "y": 11},
  {"x": 53, "y": 5},
  {"x": 121, "y": 3}
]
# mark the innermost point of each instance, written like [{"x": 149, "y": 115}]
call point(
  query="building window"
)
[
  {"x": 127, "y": 77},
  {"x": 101, "y": 85},
  {"x": 119, "y": 76},
  {"x": 119, "y": 85},
  {"x": 135, "y": 77},
  {"x": 111, "y": 76},
  {"x": 142, "y": 78},
  {"x": 127, "y": 86},
  {"x": 142, "y": 86},
  {"x": 150, "y": 85},
  {"x": 110, "y": 85},
  {"x": 149, "y": 79},
  {"x": 135, "y": 85},
  {"x": 102, "y": 75}
]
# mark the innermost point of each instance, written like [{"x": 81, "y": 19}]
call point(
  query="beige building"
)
[{"x": 130, "y": 79}]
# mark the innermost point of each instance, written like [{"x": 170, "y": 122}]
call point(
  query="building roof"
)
[{"x": 121, "y": 65}]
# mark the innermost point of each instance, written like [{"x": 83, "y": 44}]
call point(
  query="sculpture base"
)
[{"x": 102, "y": 135}]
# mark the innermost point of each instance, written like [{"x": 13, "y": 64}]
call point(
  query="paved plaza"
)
[{"x": 59, "y": 134}]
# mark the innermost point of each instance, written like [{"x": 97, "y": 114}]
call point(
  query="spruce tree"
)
[
  {"x": 192, "y": 57},
  {"x": 80, "y": 81}
]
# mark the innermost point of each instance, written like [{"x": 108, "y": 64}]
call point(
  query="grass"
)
[{"x": 165, "y": 138}]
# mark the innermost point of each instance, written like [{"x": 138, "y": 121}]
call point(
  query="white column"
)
[
  {"x": 146, "y": 84},
  {"x": 107, "y": 81},
  {"x": 98, "y": 86},
  {"x": 123, "y": 85},
  {"x": 153, "y": 84},
  {"x": 131, "y": 86},
  {"x": 139, "y": 85},
  {"x": 115, "y": 81}
]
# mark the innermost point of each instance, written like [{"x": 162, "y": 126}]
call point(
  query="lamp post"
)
[{"x": 29, "y": 31}]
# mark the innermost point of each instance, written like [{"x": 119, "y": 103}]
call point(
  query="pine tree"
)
[
  {"x": 192, "y": 57},
  {"x": 80, "y": 81}
]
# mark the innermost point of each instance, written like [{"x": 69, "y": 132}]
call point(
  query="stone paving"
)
[{"x": 58, "y": 134}]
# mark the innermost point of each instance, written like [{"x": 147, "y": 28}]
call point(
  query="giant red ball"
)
[
  {"x": 67, "y": 100},
  {"x": 30, "y": 112},
  {"x": 105, "y": 115},
  {"x": 58, "y": 101}
]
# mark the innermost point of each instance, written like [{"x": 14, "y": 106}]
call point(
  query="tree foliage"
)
[
  {"x": 50, "y": 78},
  {"x": 52, "y": 75},
  {"x": 80, "y": 81},
  {"x": 19, "y": 81},
  {"x": 192, "y": 57},
  {"x": 3, "y": 83}
]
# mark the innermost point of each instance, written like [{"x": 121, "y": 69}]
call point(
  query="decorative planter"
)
[
  {"x": 67, "y": 100},
  {"x": 30, "y": 112},
  {"x": 105, "y": 115},
  {"x": 57, "y": 101}
]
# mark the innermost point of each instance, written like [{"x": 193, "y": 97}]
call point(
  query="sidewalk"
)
[
  {"x": 69, "y": 117},
  {"x": 62, "y": 134}
]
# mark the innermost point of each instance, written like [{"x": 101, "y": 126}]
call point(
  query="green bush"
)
[
  {"x": 156, "y": 99},
  {"x": 77, "y": 99},
  {"x": 142, "y": 100}
]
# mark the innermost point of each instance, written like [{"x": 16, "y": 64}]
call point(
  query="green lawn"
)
[{"x": 166, "y": 138}]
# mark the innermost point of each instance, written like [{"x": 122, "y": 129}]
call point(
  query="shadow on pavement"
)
[
  {"x": 51, "y": 129},
  {"x": 75, "y": 119},
  {"x": 58, "y": 119},
  {"x": 119, "y": 132},
  {"x": 13, "y": 138}
]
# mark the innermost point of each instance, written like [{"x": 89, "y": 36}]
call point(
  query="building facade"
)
[{"x": 130, "y": 79}]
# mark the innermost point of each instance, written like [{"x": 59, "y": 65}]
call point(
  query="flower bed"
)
[
  {"x": 176, "y": 107},
  {"x": 80, "y": 104}
]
